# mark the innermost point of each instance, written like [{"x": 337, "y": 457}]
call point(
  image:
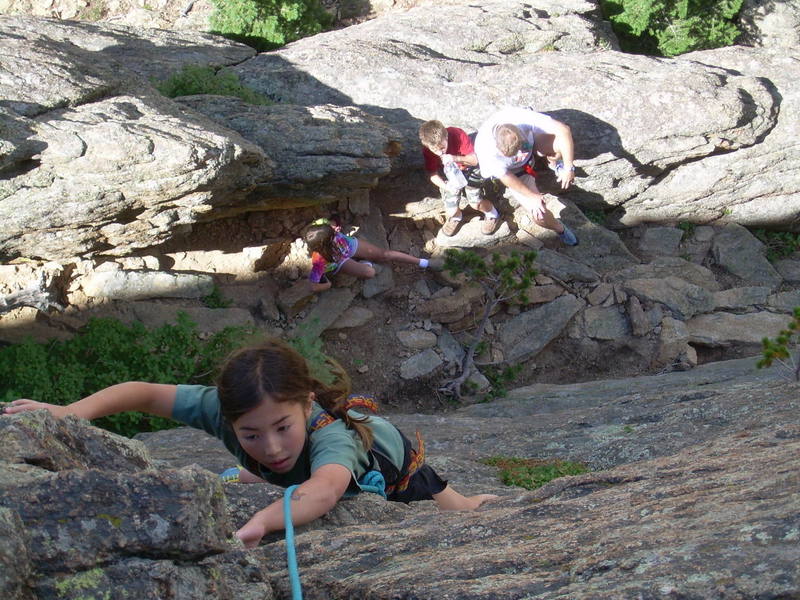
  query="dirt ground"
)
[{"x": 372, "y": 353}]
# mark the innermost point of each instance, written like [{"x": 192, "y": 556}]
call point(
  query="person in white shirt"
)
[{"x": 506, "y": 145}]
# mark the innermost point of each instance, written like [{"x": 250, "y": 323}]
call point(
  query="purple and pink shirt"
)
[{"x": 343, "y": 247}]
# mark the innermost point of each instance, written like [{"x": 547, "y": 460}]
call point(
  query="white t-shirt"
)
[{"x": 492, "y": 163}]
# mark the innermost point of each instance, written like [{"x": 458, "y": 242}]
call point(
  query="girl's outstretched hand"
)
[
  {"x": 24, "y": 405},
  {"x": 251, "y": 533}
]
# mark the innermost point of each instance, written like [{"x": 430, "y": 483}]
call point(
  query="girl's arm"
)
[
  {"x": 470, "y": 159},
  {"x": 321, "y": 286},
  {"x": 438, "y": 180},
  {"x": 311, "y": 500},
  {"x": 153, "y": 398}
]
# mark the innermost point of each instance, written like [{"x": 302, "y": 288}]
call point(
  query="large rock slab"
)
[
  {"x": 698, "y": 466},
  {"x": 103, "y": 163},
  {"x": 326, "y": 152},
  {"x": 724, "y": 329},
  {"x": 688, "y": 163},
  {"x": 111, "y": 164},
  {"x": 684, "y": 299},
  {"x": 740, "y": 253},
  {"x": 150, "y": 53},
  {"x": 524, "y": 335},
  {"x": 714, "y": 521},
  {"x": 733, "y": 185}
]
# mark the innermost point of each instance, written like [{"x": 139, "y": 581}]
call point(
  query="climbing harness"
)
[
  {"x": 417, "y": 457},
  {"x": 372, "y": 481}
]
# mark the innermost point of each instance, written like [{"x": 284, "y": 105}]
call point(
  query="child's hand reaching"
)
[
  {"x": 251, "y": 533},
  {"x": 25, "y": 405}
]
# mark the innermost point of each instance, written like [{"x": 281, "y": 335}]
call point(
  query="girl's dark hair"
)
[
  {"x": 319, "y": 239},
  {"x": 275, "y": 369}
]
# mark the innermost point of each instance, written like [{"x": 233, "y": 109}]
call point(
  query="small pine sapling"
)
[
  {"x": 502, "y": 278},
  {"x": 778, "y": 349}
]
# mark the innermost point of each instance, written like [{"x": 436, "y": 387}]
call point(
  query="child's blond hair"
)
[
  {"x": 432, "y": 134},
  {"x": 508, "y": 139}
]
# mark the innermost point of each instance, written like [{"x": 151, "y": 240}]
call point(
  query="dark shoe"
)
[
  {"x": 489, "y": 225},
  {"x": 450, "y": 227},
  {"x": 568, "y": 237}
]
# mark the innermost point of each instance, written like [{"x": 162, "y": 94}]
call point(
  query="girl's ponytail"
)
[{"x": 333, "y": 398}]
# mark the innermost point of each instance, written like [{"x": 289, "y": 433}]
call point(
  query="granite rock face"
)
[
  {"x": 101, "y": 163},
  {"x": 96, "y": 161},
  {"x": 692, "y": 138},
  {"x": 692, "y": 492}
]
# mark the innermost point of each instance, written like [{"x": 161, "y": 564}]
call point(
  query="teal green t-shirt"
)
[{"x": 198, "y": 407}]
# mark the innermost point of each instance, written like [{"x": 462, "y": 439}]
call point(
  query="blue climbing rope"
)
[
  {"x": 291, "y": 558},
  {"x": 371, "y": 481}
]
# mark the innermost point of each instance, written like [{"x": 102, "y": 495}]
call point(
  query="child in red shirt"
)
[{"x": 442, "y": 146}]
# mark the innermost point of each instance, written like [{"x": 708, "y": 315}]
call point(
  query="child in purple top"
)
[{"x": 331, "y": 252}]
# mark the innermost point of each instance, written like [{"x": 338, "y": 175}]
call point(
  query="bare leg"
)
[
  {"x": 485, "y": 206},
  {"x": 449, "y": 499},
  {"x": 357, "y": 269},
  {"x": 547, "y": 219},
  {"x": 374, "y": 253},
  {"x": 549, "y": 222}
]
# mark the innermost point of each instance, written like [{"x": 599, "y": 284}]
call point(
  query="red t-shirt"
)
[{"x": 458, "y": 144}]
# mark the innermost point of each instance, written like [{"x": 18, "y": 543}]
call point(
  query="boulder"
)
[
  {"x": 114, "y": 166},
  {"x": 524, "y": 335},
  {"x": 421, "y": 364},
  {"x": 328, "y": 152},
  {"x": 604, "y": 323},
  {"x": 141, "y": 285},
  {"x": 417, "y": 339},
  {"x": 770, "y": 24},
  {"x": 724, "y": 329},
  {"x": 740, "y": 253},
  {"x": 684, "y": 299},
  {"x": 329, "y": 307},
  {"x": 669, "y": 266},
  {"x": 714, "y": 129}
]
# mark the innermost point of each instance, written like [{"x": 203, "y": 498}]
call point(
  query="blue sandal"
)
[{"x": 231, "y": 475}]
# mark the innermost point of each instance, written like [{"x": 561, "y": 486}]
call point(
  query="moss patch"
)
[{"x": 531, "y": 473}]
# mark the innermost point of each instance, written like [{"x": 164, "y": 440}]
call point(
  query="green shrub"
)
[
  {"x": 503, "y": 279},
  {"x": 598, "y": 217},
  {"x": 780, "y": 348},
  {"x": 215, "y": 299},
  {"x": 532, "y": 473},
  {"x": 780, "y": 244},
  {"x": 499, "y": 378},
  {"x": 309, "y": 345},
  {"x": 107, "y": 352},
  {"x": 268, "y": 24},
  {"x": 672, "y": 27},
  {"x": 199, "y": 79},
  {"x": 688, "y": 229}
]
